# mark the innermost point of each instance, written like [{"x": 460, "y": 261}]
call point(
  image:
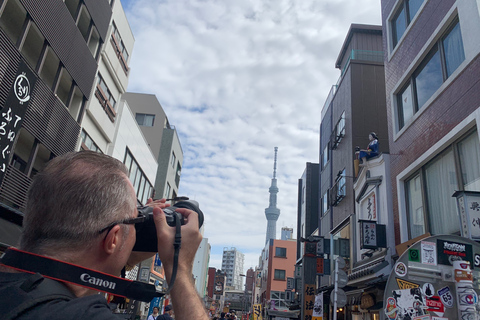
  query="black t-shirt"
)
[{"x": 92, "y": 307}]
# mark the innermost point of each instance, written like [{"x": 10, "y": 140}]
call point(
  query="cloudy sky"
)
[{"x": 236, "y": 79}]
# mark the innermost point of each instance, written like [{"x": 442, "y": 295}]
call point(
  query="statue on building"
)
[{"x": 372, "y": 150}]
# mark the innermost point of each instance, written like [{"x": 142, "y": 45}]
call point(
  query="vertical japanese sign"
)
[
  {"x": 318, "y": 307},
  {"x": 309, "y": 301},
  {"x": 12, "y": 114},
  {"x": 257, "y": 312}
]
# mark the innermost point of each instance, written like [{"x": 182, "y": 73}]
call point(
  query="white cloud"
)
[{"x": 238, "y": 78}]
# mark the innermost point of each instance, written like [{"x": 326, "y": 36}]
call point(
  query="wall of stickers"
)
[{"x": 437, "y": 278}]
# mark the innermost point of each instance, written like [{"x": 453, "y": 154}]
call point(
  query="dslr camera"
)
[{"x": 146, "y": 231}]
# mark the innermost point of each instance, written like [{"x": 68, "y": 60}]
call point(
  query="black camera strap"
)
[{"x": 70, "y": 273}]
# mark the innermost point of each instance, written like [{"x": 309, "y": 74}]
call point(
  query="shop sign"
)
[
  {"x": 309, "y": 295},
  {"x": 373, "y": 235},
  {"x": 449, "y": 251},
  {"x": 318, "y": 307},
  {"x": 320, "y": 266},
  {"x": 12, "y": 114},
  {"x": 468, "y": 204}
]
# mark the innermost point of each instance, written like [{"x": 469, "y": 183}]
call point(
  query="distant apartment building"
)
[
  {"x": 432, "y": 65},
  {"x": 232, "y": 265},
  {"x": 50, "y": 49},
  {"x": 163, "y": 140}
]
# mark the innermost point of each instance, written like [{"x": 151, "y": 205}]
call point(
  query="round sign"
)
[
  {"x": 341, "y": 298},
  {"x": 340, "y": 262}
]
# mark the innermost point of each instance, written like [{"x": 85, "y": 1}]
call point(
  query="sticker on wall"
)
[
  {"x": 404, "y": 284},
  {"x": 391, "y": 308},
  {"x": 435, "y": 305},
  {"x": 429, "y": 253},
  {"x": 446, "y": 297},
  {"x": 414, "y": 255},
  {"x": 428, "y": 290},
  {"x": 410, "y": 302},
  {"x": 401, "y": 269}
]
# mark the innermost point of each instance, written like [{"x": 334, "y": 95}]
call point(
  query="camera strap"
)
[{"x": 71, "y": 273}]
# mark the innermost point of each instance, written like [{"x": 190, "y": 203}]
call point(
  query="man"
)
[
  {"x": 76, "y": 212},
  {"x": 154, "y": 314},
  {"x": 167, "y": 315}
]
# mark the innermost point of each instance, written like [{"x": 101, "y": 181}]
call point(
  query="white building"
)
[
  {"x": 101, "y": 117},
  {"x": 232, "y": 265},
  {"x": 200, "y": 267}
]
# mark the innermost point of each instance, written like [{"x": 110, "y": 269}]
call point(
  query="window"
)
[
  {"x": 88, "y": 143},
  {"x": 443, "y": 59},
  {"x": 403, "y": 17},
  {"x": 341, "y": 184},
  {"x": 143, "y": 187},
  {"x": 338, "y": 132},
  {"x": 120, "y": 49},
  {"x": 167, "y": 191},
  {"x": 279, "y": 274},
  {"x": 338, "y": 191},
  {"x": 325, "y": 156},
  {"x": 430, "y": 205},
  {"x": 173, "y": 159},
  {"x": 12, "y": 19},
  {"x": 146, "y": 120},
  {"x": 325, "y": 203},
  {"x": 33, "y": 45},
  {"x": 105, "y": 97},
  {"x": 280, "y": 252}
]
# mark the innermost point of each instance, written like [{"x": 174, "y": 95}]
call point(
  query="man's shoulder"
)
[{"x": 54, "y": 303}]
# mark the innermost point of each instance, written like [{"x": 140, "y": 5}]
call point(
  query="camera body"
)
[{"x": 147, "y": 233}]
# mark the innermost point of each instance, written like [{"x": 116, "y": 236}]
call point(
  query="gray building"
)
[
  {"x": 162, "y": 139},
  {"x": 355, "y": 107},
  {"x": 232, "y": 265}
]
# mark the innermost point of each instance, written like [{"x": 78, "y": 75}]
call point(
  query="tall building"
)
[
  {"x": 432, "y": 63},
  {"x": 50, "y": 49},
  {"x": 232, "y": 265},
  {"x": 354, "y": 108},
  {"x": 272, "y": 212}
]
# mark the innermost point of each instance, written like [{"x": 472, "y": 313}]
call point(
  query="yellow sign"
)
[
  {"x": 402, "y": 284},
  {"x": 309, "y": 300},
  {"x": 257, "y": 312}
]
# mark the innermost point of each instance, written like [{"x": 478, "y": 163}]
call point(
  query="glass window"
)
[
  {"x": 167, "y": 191},
  {"x": 280, "y": 252},
  {"x": 49, "y": 68},
  {"x": 146, "y": 120},
  {"x": 325, "y": 202},
  {"x": 413, "y": 7},
  {"x": 279, "y": 274},
  {"x": 399, "y": 25},
  {"x": 341, "y": 185},
  {"x": 415, "y": 207},
  {"x": 469, "y": 156},
  {"x": 441, "y": 183},
  {"x": 406, "y": 106},
  {"x": 402, "y": 18},
  {"x": 88, "y": 142},
  {"x": 173, "y": 159},
  {"x": 12, "y": 19},
  {"x": 453, "y": 49},
  {"x": 33, "y": 45},
  {"x": 325, "y": 157},
  {"x": 431, "y": 74},
  {"x": 429, "y": 79},
  {"x": 139, "y": 180}
]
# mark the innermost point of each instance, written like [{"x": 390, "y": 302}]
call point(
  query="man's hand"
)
[
  {"x": 191, "y": 239},
  {"x": 138, "y": 256}
]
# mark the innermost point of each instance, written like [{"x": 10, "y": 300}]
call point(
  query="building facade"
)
[
  {"x": 55, "y": 67},
  {"x": 354, "y": 108},
  {"x": 232, "y": 265},
  {"x": 200, "y": 267},
  {"x": 433, "y": 92}
]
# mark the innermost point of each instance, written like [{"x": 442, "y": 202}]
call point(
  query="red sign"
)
[
  {"x": 320, "y": 269},
  {"x": 435, "y": 304}
]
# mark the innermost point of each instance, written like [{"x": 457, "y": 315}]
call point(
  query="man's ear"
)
[{"x": 112, "y": 240}]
